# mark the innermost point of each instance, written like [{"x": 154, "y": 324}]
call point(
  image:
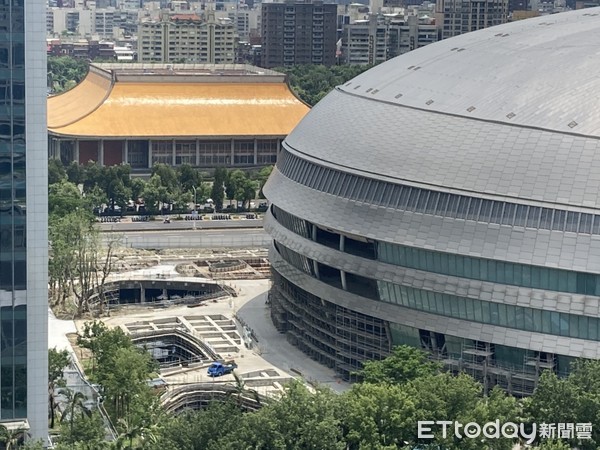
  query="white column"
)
[
  {"x": 76, "y": 156},
  {"x": 231, "y": 162},
  {"x": 52, "y": 146},
  {"x": 149, "y": 154},
  {"x": 101, "y": 152},
  {"x": 36, "y": 161},
  {"x": 197, "y": 152},
  {"x": 255, "y": 152},
  {"x": 343, "y": 277},
  {"x": 126, "y": 152},
  {"x": 56, "y": 148},
  {"x": 173, "y": 155}
]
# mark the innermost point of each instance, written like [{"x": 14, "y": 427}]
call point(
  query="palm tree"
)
[
  {"x": 240, "y": 389},
  {"x": 75, "y": 404},
  {"x": 57, "y": 361},
  {"x": 12, "y": 439},
  {"x": 131, "y": 431}
]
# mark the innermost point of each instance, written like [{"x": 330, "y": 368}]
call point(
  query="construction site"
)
[{"x": 189, "y": 309}]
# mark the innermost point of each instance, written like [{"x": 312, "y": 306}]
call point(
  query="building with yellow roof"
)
[{"x": 206, "y": 115}]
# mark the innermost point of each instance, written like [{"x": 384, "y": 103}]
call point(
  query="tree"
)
[
  {"x": 312, "y": 82},
  {"x": 113, "y": 181},
  {"x": 245, "y": 192},
  {"x": 200, "y": 430},
  {"x": 129, "y": 432},
  {"x": 125, "y": 380},
  {"x": 64, "y": 198},
  {"x": 168, "y": 176},
  {"x": 76, "y": 173},
  {"x": 93, "y": 175},
  {"x": 75, "y": 406},
  {"x": 95, "y": 198},
  {"x": 65, "y": 72},
  {"x": 300, "y": 420},
  {"x": 63, "y": 232},
  {"x": 79, "y": 264},
  {"x": 85, "y": 431},
  {"x": 181, "y": 200},
  {"x": 12, "y": 439},
  {"x": 102, "y": 342},
  {"x": 377, "y": 416},
  {"x": 137, "y": 188},
  {"x": 239, "y": 187},
  {"x": 217, "y": 191},
  {"x": 403, "y": 365},
  {"x": 57, "y": 362},
  {"x": 188, "y": 177},
  {"x": 122, "y": 370},
  {"x": 56, "y": 171},
  {"x": 30, "y": 444},
  {"x": 155, "y": 193},
  {"x": 575, "y": 399},
  {"x": 261, "y": 178},
  {"x": 117, "y": 182},
  {"x": 241, "y": 390},
  {"x": 234, "y": 179},
  {"x": 498, "y": 405},
  {"x": 553, "y": 444},
  {"x": 191, "y": 186}
]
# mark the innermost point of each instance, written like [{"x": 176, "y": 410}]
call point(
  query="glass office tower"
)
[{"x": 23, "y": 215}]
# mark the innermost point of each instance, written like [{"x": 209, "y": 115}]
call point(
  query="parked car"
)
[{"x": 218, "y": 368}]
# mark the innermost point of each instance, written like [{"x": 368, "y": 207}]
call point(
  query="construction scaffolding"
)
[
  {"x": 330, "y": 334},
  {"x": 343, "y": 339},
  {"x": 479, "y": 361}
]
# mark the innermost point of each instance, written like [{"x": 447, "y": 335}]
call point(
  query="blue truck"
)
[{"x": 219, "y": 368}]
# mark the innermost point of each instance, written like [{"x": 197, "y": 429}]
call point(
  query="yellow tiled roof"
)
[
  {"x": 172, "y": 109},
  {"x": 71, "y": 106}
]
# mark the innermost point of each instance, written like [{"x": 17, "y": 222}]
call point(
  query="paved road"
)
[
  {"x": 274, "y": 348},
  {"x": 180, "y": 225},
  {"x": 179, "y": 238}
]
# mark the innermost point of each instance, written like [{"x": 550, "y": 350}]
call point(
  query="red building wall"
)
[
  {"x": 88, "y": 151},
  {"x": 113, "y": 153}
]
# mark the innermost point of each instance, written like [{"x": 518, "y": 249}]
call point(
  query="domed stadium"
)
[{"x": 448, "y": 199}]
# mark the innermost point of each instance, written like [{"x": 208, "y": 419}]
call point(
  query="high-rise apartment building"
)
[
  {"x": 298, "y": 33},
  {"x": 382, "y": 37},
  {"x": 187, "y": 38},
  {"x": 463, "y": 16},
  {"x": 23, "y": 217}
]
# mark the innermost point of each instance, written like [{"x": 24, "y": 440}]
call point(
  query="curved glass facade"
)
[
  {"x": 482, "y": 269},
  {"x": 426, "y": 201},
  {"x": 464, "y": 308},
  {"x": 491, "y": 313}
]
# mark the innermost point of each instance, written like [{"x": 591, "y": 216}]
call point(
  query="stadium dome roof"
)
[{"x": 511, "y": 111}]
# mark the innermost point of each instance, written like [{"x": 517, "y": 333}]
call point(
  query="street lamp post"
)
[{"x": 195, "y": 209}]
